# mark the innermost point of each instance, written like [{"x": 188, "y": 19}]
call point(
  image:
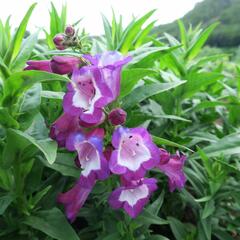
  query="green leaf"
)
[
  {"x": 22, "y": 81},
  {"x": 5, "y": 201},
  {"x": 31, "y": 99},
  {"x": 24, "y": 53},
  {"x": 143, "y": 34},
  {"x": 183, "y": 33},
  {"x": 161, "y": 141},
  {"x": 200, "y": 41},
  {"x": 53, "y": 223},
  {"x": 157, "y": 237},
  {"x": 6, "y": 119},
  {"x": 147, "y": 218},
  {"x": 15, "y": 44},
  {"x": 130, "y": 78},
  {"x": 146, "y": 56},
  {"x": 21, "y": 140},
  {"x": 197, "y": 82},
  {"x": 52, "y": 95},
  {"x": 64, "y": 164},
  {"x": 132, "y": 31},
  {"x": 227, "y": 145},
  {"x": 146, "y": 91},
  {"x": 155, "y": 207},
  {"x": 208, "y": 210},
  {"x": 178, "y": 228}
]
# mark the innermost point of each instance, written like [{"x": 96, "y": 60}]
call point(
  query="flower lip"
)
[
  {"x": 90, "y": 155},
  {"x": 133, "y": 196},
  {"x": 172, "y": 166},
  {"x": 134, "y": 153},
  {"x": 111, "y": 64},
  {"x": 87, "y": 95}
]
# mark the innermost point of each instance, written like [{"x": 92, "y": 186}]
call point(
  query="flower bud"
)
[
  {"x": 41, "y": 65},
  {"x": 117, "y": 116},
  {"x": 64, "y": 65},
  {"x": 59, "y": 40},
  {"x": 69, "y": 31}
]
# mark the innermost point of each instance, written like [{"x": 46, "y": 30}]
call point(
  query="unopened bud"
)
[
  {"x": 117, "y": 116},
  {"x": 69, "y": 31}
]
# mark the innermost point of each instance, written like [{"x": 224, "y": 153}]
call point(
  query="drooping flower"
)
[
  {"x": 41, "y": 65},
  {"x": 87, "y": 95},
  {"x": 117, "y": 116},
  {"x": 172, "y": 166},
  {"x": 134, "y": 153},
  {"x": 133, "y": 196},
  {"x": 90, "y": 155},
  {"x": 111, "y": 64},
  {"x": 74, "y": 199},
  {"x": 64, "y": 64},
  {"x": 63, "y": 127}
]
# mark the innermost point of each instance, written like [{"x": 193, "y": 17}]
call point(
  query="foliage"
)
[
  {"x": 208, "y": 11},
  {"x": 188, "y": 101}
]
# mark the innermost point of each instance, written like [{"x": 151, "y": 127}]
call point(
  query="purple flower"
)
[
  {"x": 134, "y": 153},
  {"x": 172, "y": 166},
  {"x": 117, "y": 116},
  {"x": 111, "y": 64},
  {"x": 64, "y": 64},
  {"x": 87, "y": 95},
  {"x": 74, "y": 199},
  {"x": 133, "y": 196},
  {"x": 90, "y": 155},
  {"x": 41, "y": 65},
  {"x": 63, "y": 127}
]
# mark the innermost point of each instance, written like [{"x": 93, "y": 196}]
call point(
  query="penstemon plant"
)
[
  {"x": 96, "y": 126},
  {"x": 91, "y": 111}
]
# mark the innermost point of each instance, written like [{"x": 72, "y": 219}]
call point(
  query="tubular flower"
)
[
  {"x": 90, "y": 155},
  {"x": 111, "y": 64},
  {"x": 63, "y": 127},
  {"x": 74, "y": 199},
  {"x": 87, "y": 95},
  {"x": 134, "y": 153},
  {"x": 172, "y": 166},
  {"x": 41, "y": 65},
  {"x": 64, "y": 64},
  {"x": 133, "y": 196}
]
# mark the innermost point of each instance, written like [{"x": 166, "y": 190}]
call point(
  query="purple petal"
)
[
  {"x": 74, "y": 199},
  {"x": 63, "y": 127},
  {"x": 133, "y": 196},
  {"x": 173, "y": 168},
  {"x": 41, "y": 65},
  {"x": 64, "y": 64}
]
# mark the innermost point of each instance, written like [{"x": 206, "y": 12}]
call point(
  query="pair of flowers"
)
[{"x": 131, "y": 152}]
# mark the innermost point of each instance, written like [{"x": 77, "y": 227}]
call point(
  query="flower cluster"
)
[{"x": 88, "y": 115}]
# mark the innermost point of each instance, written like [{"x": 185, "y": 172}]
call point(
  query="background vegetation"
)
[{"x": 207, "y": 12}]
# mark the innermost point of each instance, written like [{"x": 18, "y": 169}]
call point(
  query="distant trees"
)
[{"x": 208, "y": 11}]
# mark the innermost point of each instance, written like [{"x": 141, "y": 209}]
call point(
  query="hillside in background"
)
[{"x": 227, "y": 34}]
